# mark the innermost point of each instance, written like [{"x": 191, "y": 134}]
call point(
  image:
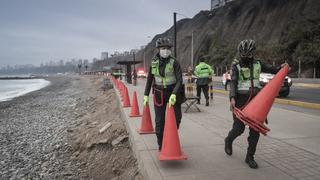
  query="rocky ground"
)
[{"x": 68, "y": 130}]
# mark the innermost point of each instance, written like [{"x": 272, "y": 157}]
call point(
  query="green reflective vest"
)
[
  {"x": 169, "y": 77},
  {"x": 203, "y": 70},
  {"x": 116, "y": 73},
  {"x": 244, "y": 82}
]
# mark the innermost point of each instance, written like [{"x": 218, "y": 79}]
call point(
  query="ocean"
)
[{"x": 10, "y": 89}]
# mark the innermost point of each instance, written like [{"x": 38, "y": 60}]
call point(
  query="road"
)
[
  {"x": 297, "y": 93},
  {"x": 305, "y": 94}
]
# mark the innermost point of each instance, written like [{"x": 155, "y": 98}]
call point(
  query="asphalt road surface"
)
[{"x": 305, "y": 94}]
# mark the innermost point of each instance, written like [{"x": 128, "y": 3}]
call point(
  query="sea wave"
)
[{"x": 10, "y": 89}]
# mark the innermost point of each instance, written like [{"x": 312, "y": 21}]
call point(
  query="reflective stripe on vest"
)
[
  {"x": 203, "y": 70},
  {"x": 169, "y": 77},
  {"x": 244, "y": 76}
]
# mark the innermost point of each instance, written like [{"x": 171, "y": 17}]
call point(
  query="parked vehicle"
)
[
  {"x": 285, "y": 88},
  {"x": 141, "y": 74},
  {"x": 264, "y": 79}
]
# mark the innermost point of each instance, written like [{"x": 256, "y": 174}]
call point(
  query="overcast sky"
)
[{"x": 36, "y": 31}]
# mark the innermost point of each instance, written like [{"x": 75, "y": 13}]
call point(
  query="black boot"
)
[
  {"x": 228, "y": 146},
  {"x": 251, "y": 162},
  {"x": 198, "y": 102},
  {"x": 207, "y": 102}
]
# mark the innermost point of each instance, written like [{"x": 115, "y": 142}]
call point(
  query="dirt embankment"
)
[{"x": 101, "y": 141}]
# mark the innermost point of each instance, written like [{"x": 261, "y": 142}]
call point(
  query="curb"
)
[
  {"x": 283, "y": 101},
  {"x": 298, "y": 103},
  {"x": 306, "y": 85},
  {"x": 140, "y": 155}
]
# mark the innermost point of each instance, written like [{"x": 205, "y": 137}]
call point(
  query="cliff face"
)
[{"x": 282, "y": 30}]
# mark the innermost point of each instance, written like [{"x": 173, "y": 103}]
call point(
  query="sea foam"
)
[{"x": 10, "y": 89}]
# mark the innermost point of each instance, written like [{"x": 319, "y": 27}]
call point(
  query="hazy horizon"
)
[{"x": 35, "y": 32}]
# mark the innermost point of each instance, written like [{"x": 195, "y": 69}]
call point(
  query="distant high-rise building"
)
[
  {"x": 74, "y": 62},
  {"x": 126, "y": 53},
  {"x": 134, "y": 51},
  {"x": 61, "y": 63},
  {"x": 104, "y": 55},
  {"x": 116, "y": 53}
]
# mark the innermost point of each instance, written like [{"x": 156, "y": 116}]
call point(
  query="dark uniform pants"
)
[
  {"x": 205, "y": 89},
  {"x": 226, "y": 85},
  {"x": 160, "y": 111},
  {"x": 238, "y": 127}
]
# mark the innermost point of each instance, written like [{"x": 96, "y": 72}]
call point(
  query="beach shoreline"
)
[
  {"x": 13, "y": 88},
  {"x": 53, "y": 133}
]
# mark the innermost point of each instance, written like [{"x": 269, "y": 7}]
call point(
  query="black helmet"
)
[
  {"x": 246, "y": 48},
  {"x": 163, "y": 42}
]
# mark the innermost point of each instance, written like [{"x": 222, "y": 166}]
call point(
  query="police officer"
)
[
  {"x": 166, "y": 78},
  {"x": 244, "y": 85},
  {"x": 203, "y": 71}
]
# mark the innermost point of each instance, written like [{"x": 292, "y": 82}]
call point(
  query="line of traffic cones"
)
[
  {"x": 171, "y": 148},
  {"x": 255, "y": 113}
]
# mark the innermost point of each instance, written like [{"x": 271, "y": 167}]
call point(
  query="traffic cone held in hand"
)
[
  {"x": 126, "y": 100},
  {"x": 171, "y": 149},
  {"x": 135, "y": 107},
  {"x": 255, "y": 113},
  {"x": 146, "y": 123}
]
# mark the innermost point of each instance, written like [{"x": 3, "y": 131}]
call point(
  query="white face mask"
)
[{"x": 165, "y": 53}]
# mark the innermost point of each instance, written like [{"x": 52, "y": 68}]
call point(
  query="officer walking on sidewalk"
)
[
  {"x": 244, "y": 85},
  {"x": 203, "y": 72},
  {"x": 165, "y": 77}
]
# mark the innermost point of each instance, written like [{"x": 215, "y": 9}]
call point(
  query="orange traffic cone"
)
[
  {"x": 121, "y": 89},
  {"x": 171, "y": 149},
  {"x": 135, "y": 107},
  {"x": 255, "y": 113},
  {"x": 146, "y": 123},
  {"x": 120, "y": 86},
  {"x": 117, "y": 84},
  {"x": 126, "y": 100}
]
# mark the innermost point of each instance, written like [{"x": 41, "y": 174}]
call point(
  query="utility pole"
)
[
  {"x": 134, "y": 70},
  {"x": 299, "y": 71},
  {"x": 175, "y": 34},
  {"x": 144, "y": 60},
  {"x": 192, "y": 49},
  {"x": 314, "y": 69}
]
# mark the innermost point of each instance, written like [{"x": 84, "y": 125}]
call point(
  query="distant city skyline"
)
[{"x": 34, "y": 32}]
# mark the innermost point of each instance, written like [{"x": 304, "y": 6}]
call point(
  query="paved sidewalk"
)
[{"x": 290, "y": 151}]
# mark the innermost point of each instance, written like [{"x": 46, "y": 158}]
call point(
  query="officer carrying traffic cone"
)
[
  {"x": 166, "y": 77},
  {"x": 203, "y": 71},
  {"x": 244, "y": 85}
]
